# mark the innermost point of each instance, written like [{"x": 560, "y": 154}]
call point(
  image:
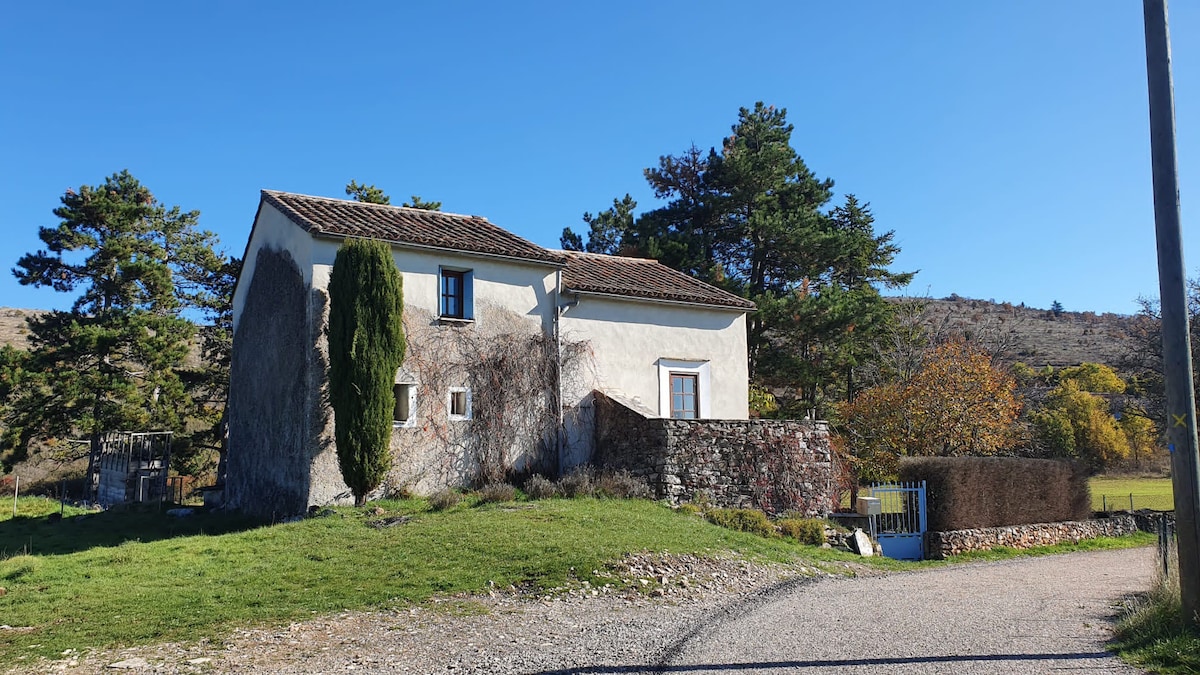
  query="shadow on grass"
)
[{"x": 52, "y": 535}]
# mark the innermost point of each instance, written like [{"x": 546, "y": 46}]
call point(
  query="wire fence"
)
[{"x": 1109, "y": 502}]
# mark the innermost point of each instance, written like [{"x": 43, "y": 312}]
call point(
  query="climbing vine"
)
[{"x": 511, "y": 369}]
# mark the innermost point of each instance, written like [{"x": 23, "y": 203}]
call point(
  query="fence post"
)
[
  {"x": 16, "y": 489},
  {"x": 1164, "y": 546}
]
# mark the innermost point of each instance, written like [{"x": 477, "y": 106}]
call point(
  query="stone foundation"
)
[
  {"x": 939, "y": 545},
  {"x": 778, "y": 466}
]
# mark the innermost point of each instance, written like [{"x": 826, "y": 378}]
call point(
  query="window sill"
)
[
  {"x": 459, "y": 418},
  {"x": 404, "y": 425},
  {"x": 453, "y": 320}
]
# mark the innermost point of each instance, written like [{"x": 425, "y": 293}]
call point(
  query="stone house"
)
[{"x": 509, "y": 347}]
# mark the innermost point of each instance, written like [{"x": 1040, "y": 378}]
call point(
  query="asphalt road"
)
[{"x": 1035, "y": 615}]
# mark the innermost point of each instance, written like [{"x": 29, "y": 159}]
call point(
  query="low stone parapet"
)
[
  {"x": 777, "y": 466},
  {"x": 939, "y": 545}
]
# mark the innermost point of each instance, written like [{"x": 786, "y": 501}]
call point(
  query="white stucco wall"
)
[
  {"x": 631, "y": 339},
  {"x": 273, "y": 231},
  {"x": 631, "y": 344},
  {"x": 523, "y": 288}
]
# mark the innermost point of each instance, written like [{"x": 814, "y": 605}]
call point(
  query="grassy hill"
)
[
  {"x": 12, "y": 326},
  {"x": 1037, "y": 337}
]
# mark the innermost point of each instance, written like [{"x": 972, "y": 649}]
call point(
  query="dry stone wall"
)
[
  {"x": 938, "y": 545},
  {"x": 779, "y": 466}
]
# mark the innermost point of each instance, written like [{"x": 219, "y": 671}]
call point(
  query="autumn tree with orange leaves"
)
[{"x": 956, "y": 403}]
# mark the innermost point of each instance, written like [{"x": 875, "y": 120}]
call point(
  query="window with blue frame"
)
[{"x": 456, "y": 294}]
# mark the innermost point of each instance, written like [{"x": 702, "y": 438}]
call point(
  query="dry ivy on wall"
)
[{"x": 509, "y": 365}]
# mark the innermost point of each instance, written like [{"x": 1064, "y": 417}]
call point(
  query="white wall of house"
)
[
  {"x": 272, "y": 231},
  {"x": 522, "y": 288},
  {"x": 635, "y": 342}
]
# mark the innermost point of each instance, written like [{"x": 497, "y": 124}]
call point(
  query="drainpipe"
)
[{"x": 560, "y": 432}]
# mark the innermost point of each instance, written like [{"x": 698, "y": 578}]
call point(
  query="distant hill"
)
[
  {"x": 1034, "y": 336},
  {"x": 12, "y": 326}
]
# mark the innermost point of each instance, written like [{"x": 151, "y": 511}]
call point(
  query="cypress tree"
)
[{"x": 366, "y": 346}]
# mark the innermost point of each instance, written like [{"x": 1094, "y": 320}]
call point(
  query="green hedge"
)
[{"x": 972, "y": 492}]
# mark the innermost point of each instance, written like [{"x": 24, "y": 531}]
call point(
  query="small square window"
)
[
  {"x": 404, "y": 414},
  {"x": 459, "y": 405}
]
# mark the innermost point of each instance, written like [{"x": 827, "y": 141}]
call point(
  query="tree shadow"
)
[{"x": 54, "y": 535}]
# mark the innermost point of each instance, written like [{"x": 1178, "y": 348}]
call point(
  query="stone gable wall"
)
[
  {"x": 938, "y": 545},
  {"x": 778, "y": 466}
]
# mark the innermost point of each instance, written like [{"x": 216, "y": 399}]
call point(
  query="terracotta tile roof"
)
[
  {"x": 641, "y": 278},
  {"x": 400, "y": 225}
]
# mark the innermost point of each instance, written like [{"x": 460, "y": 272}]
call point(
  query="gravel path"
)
[
  {"x": 1034, "y": 615},
  {"x": 1029, "y": 615}
]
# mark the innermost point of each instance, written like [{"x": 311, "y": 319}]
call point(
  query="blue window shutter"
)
[
  {"x": 441, "y": 291},
  {"x": 468, "y": 295}
]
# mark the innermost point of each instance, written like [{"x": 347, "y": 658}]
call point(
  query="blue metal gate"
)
[{"x": 900, "y": 528}]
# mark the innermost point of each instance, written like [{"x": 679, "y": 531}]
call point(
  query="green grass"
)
[
  {"x": 1148, "y": 493},
  {"x": 99, "y": 580},
  {"x": 81, "y": 587},
  {"x": 1152, "y": 634}
]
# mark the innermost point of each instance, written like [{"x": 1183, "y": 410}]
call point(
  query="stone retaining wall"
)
[
  {"x": 778, "y": 466},
  {"x": 939, "y": 545}
]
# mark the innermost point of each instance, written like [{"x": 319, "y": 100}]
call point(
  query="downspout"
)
[
  {"x": 561, "y": 431},
  {"x": 560, "y": 308}
]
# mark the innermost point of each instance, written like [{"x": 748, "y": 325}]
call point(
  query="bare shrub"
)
[
  {"x": 497, "y": 492},
  {"x": 517, "y": 365},
  {"x": 538, "y": 486},
  {"x": 444, "y": 500},
  {"x": 622, "y": 485},
  {"x": 579, "y": 483}
]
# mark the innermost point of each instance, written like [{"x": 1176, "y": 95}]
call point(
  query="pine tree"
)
[
  {"x": 610, "y": 232},
  {"x": 417, "y": 203},
  {"x": 112, "y": 362},
  {"x": 366, "y": 346},
  {"x": 372, "y": 195},
  {"x": 366, "y": 193},
  {"x": 751, "y": 218}
]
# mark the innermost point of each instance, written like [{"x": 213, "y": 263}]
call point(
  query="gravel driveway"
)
[
  {"x": 1021, "y": 616},
  {"x": 1036, "y": 615}
]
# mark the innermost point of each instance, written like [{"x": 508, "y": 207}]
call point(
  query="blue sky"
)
[{"x": 1005, "y": 142}]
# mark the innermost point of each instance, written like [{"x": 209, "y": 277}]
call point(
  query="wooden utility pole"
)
[{"x": 1177, "y": 353}]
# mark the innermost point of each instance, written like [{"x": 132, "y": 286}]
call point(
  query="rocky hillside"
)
[
  {"x": 12, "y": 326},
  {"x": 1037, "y": 337}
]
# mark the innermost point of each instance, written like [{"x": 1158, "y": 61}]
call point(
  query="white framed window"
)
[
  {"x": 456, "y": 294},
  {"x": 458, "y": 403},
  {"x": 405, "y": 413},
  {"x": 684, "y": 389},
  {"x": 684, "y": 397}
]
